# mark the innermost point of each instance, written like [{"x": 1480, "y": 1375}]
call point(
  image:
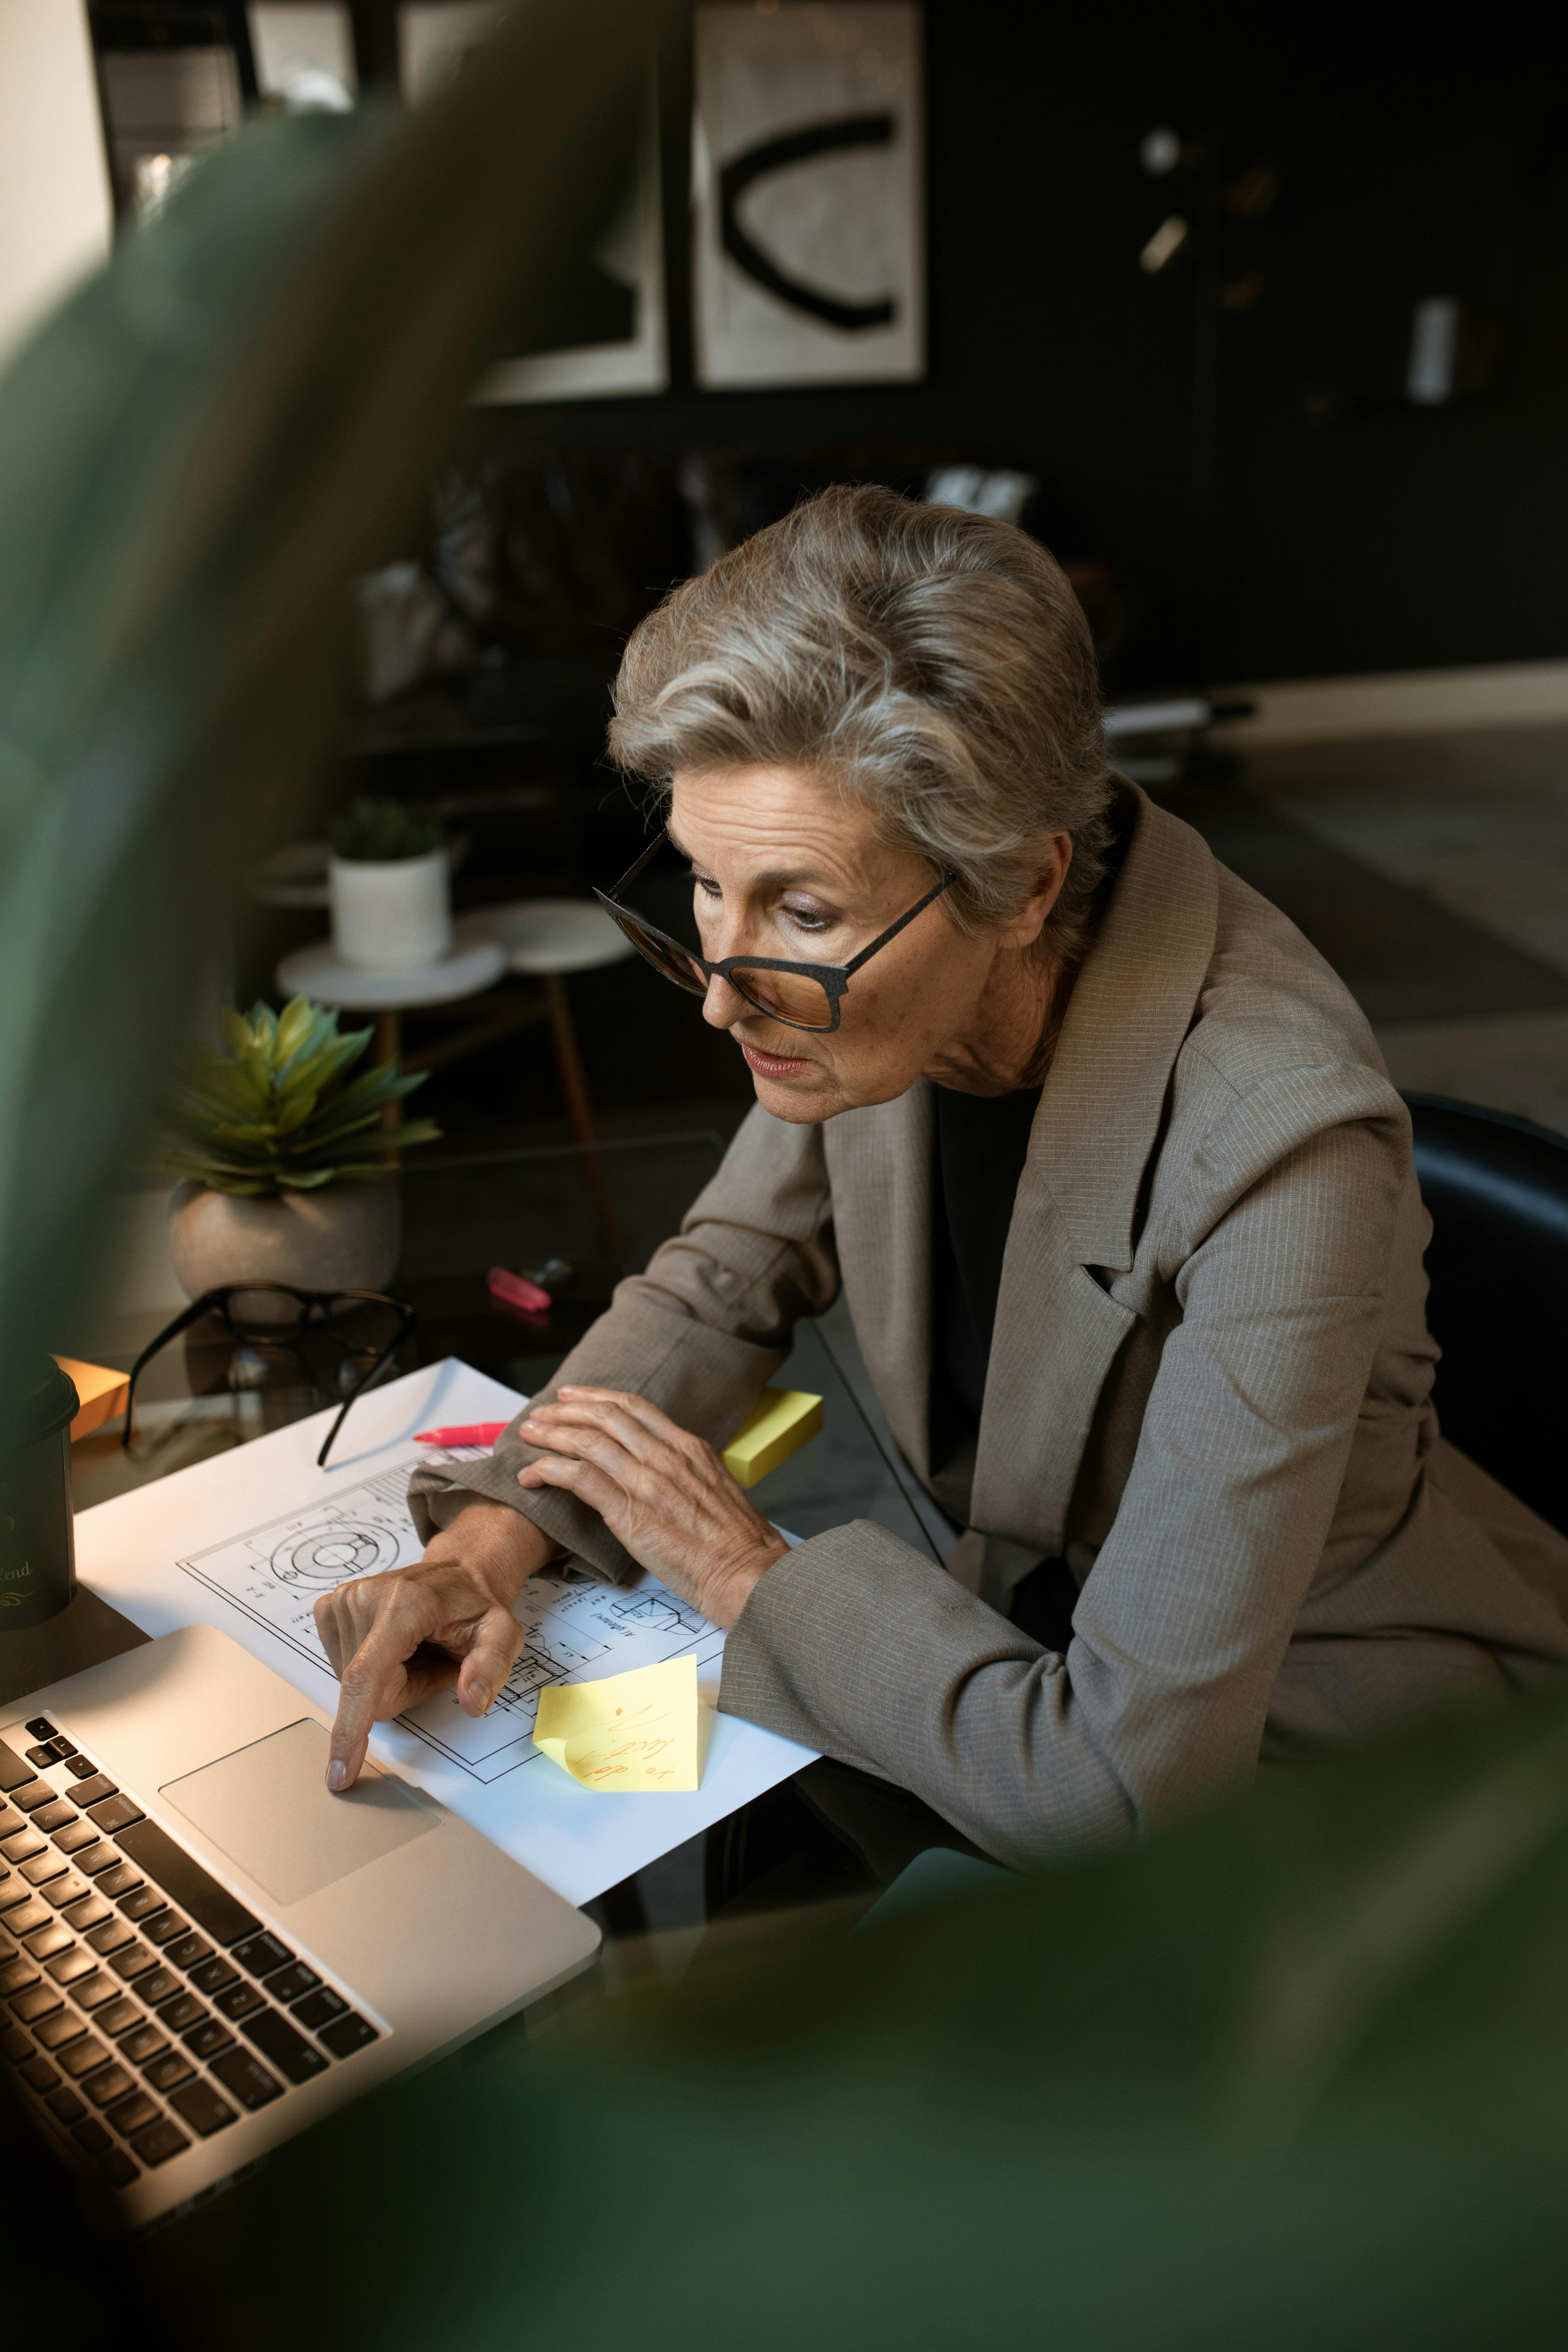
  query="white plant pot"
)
[
  {"x": 344, "y": 1237},
  {"x": 392, "y": 915}
]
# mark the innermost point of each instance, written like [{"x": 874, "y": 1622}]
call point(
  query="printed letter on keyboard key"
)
[
  {"x": 111, "y": 1814},
  {"x": 289, "y": 1984},
  {"x": 261, "y": 1954},
  {"x": 93, "y": 1791},
  {"x": 251, "y": 2083},
  {"x": 173, "y": 2067},
  {"x": 199, "y": 2106},
  {"x": 183, "y": 2012},
  {"x": 109, "y": 2083},
  {"x": 135, "y": 2114},
  {"x": 211, "y": 1976},
  {"x": 211, "y": 2035},
  {"x": 318, "y": 2008},
  {"x": 348, "y": 2034},
  {"x": 159, "y": 2142},
  {"x": 276, "y": 2039}
]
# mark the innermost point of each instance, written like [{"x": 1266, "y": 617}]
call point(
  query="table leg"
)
[
  {"x": 388, "y": 1047},
  {"x": 580, "y": 1111}
]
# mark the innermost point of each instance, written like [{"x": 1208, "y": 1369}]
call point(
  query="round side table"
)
[
  {"x": 549, "y": 937},
  {"x": 318, "y": 971}
]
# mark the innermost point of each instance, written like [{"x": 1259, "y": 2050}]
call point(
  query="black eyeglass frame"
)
[
  {"x": 833, "y": 978},
  {"x": 216, "y": 1302}
]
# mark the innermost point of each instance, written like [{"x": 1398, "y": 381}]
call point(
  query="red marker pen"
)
[{"x": 474, "y": 1433}]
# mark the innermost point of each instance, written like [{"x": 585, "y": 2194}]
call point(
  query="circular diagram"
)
[{"x": 329, "y": 1555}]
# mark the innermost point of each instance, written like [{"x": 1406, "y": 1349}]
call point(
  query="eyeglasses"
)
[
  {"x": 799, "y": 995},
  {"x": 361, "y": 1323}
]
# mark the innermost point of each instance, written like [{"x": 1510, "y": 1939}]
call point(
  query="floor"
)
[{"x": 1433, "y": 873}]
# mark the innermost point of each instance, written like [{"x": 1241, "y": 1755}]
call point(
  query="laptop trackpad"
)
[{"x": 267, "y": 1808}]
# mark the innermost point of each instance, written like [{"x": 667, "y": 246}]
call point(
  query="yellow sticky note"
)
[
  {"x": 631, "y": 1734},
  {"x": 777, "y": 1425}
]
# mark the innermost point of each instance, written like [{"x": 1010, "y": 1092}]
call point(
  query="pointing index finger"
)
[{"x": 369, "y": 1687}]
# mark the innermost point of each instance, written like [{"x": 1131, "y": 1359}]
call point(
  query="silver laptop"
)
[{"x": 201, "y": 1950}]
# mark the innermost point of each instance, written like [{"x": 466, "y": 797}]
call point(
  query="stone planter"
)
[
  {"x": 344, "y": 1237},
  {"x": 394, "y": 915}
]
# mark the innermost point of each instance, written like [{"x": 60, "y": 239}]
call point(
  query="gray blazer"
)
[{"x": 1208, "y": 1390}]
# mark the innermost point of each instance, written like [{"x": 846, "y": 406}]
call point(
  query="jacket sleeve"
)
[
  {"x": 855, "y": 1645},
  {"x": 699, "y": 1333}
]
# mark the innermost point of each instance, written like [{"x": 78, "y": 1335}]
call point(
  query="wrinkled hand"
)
[
  {"x": 396, "y": 1639},
  {"x": 662, "y": 1493}
]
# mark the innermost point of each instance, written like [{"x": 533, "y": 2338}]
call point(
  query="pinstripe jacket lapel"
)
[
  {"x": 1058, "y": 1324},
  {"x": 1059, "y": 1321},
  {"x": 879, "y": 1166}
]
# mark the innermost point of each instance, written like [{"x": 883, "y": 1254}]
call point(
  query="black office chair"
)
[{"x": 1497, "y": 1188}]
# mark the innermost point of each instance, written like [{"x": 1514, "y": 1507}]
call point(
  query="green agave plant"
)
[{"x": 273, "y": 1115}]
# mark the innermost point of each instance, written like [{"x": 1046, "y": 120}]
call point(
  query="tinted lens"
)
[
  {"x": 665, "y": 956},
  {"x": 256, "y": 1313},
  {"x": 363, "y": 1325},
  {"x": 789, "y": 996}
]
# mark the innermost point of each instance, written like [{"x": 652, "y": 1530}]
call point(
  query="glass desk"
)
[{"x": 463, "y": 1213}]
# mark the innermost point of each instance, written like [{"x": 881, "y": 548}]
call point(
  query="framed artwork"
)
[
  {"x": 304, "y": 52},
  {"x": 435, "y": 37},
  {"x": 614, "y": 340},
  {"x": 809, "y": 170}
]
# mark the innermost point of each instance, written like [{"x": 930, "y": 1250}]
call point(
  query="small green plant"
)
[
  {"x": 274, "y": 1115},
  {"x": 375, "y": 832}
]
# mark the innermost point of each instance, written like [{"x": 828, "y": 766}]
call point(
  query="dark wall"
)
[{"x": 1421, "y": 151}]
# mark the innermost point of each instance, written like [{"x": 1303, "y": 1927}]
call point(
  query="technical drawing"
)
[
  {"x": 326, "y": 1555},
  {"x": 575, "y": 1628}
]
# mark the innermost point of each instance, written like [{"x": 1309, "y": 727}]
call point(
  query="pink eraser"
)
[{"x": 512, "y": 1290}]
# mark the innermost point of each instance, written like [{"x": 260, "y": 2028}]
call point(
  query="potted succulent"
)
[
  {"x": 283, "y": 1156},
  {"x": 391, "y": 887}
]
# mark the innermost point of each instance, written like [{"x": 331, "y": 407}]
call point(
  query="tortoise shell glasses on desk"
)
[
  {"x": 364, "y": 1326},
  {"x": 798, "y": 995}
]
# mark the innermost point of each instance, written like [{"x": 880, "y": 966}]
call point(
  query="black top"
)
[{"x": 982, "y": 1143}]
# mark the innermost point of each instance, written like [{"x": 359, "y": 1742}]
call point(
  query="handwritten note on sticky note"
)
[{"x": 632, "y": 1734}]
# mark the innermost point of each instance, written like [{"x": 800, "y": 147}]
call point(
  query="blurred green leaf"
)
[
  {"x": 197, "y": 456},
  {"x": 296, "y": 1023},
  {"x": 1012, "y": 2119}
]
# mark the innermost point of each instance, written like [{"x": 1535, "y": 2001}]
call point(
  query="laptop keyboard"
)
[{"x": 140, "y": 2004}]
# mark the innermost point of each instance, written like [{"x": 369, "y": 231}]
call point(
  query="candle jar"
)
[{"x": 37, "y": 1542}]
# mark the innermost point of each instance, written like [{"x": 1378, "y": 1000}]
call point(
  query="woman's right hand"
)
[{"x": 396, "y": 1639}]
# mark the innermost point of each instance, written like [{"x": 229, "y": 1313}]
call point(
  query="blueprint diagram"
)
[{"x": 574, "y": 1629}]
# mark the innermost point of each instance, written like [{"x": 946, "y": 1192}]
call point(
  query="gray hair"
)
[{"x": 935, "y": 665}]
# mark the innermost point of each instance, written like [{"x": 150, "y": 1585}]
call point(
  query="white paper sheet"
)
[{"x": 248, "y": 1541}]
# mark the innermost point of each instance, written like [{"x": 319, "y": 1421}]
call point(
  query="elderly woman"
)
[{"x": 1107, "y": 1165}]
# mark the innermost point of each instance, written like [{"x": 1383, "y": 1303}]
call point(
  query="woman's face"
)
[{"x": 784, "y": 864}]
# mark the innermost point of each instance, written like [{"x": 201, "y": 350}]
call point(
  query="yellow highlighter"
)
[{"x": 778, "y": 1424}]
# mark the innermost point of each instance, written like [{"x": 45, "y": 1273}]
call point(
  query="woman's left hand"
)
[{"x": 662, "y": 1493}]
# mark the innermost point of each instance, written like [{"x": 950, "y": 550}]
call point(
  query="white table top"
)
[
  {"x": 316, "y": 972},
  {"x": 547, "y": 935}
]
